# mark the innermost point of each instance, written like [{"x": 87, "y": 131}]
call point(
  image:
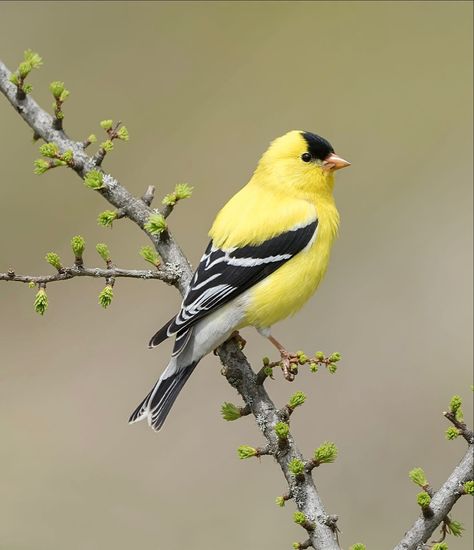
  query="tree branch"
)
[
  {"x": 134, "y": 208},
  {"x": 441, "y": 503},
  {"x": 167, "y": 274}
]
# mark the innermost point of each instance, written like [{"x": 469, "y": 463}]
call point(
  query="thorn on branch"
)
[{"x": 149, "y": 194}]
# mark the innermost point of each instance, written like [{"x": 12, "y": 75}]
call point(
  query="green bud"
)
[
  {"x": 455, "y": 528},
  {"x": 31, "y": 284},
  {"x": 64, "y": 95},
  {"x": 14, "y": 79},
  {"x": 49, "y": 150},
  {"x": 33, "y": 59},
  {"x": 302, "y": 359},
  {"x": 469, "y": 487},
  {"x": 326, "y": 453},
  {"x": 417, "y": 475},
  {"x": 56, "y": 88},
  {"x": 268, "y": 372},
  {"x": 106, "y": 124},
  {"x": 156, "y": 224},
  {"x": 357, "y": 546},
  {"x": 244, "y": 451},
  {"x": 296, "y": 546},
  {"x": 280, "y": 501},
  {"x": 299, "y": 518},
  {"x": 266, "y": 361},
  {"x": 332, "y": 368},
  {"x": 107, "y": 145},
  {"x": 319, "y": 355},
  {"x": 24, "y": 69},
  {"x": 41, "y": 166},
  {"x": 149, "y": 254},
  {"x": 92, "y": 138},
  {"x": 313, "y": 367},
  {"x": 183, "y": 191},
  {"x": 230, "y": 412},
  {"x": 440, "y": 546},
  {"x": 297, "y": 399},
  {"x": 94, "y": 179},
  {"x": 106, "y": 218},
  {"x": 282, "y": 430},
  {"x": 455, "y": 408},
  {"x": 41, "y": 301},
  {"x": 452, "y": 433},
  {"x": 296, "y": 466},
  {"x": 169, "y": 199},
  {"x": 78, "y": 245},
  {"x": 335, "y": 357},
  {"x": 105, "y": 297},
  {"x": 123, "y": 133},
  {"x": 103, "y": 251},
  {"x": 423, "y": 499},
  {"x": 53, "y": 259},
  {"x": 68, "y": 156},
  {"x": 27, "y": 88},
  {"x": 455, "y": 404}
]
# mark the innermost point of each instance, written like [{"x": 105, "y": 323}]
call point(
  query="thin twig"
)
[{"x": 167, "y": 274}]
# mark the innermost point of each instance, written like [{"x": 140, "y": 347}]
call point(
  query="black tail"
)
[
  {"x": 157, "y": 404},
  {"x": 161, "y": 335}
]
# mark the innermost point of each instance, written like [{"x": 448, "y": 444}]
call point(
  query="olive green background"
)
[{"x": 203, "y": 87}]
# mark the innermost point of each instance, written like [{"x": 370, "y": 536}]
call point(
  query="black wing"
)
[{"x": 224, "y": 274}]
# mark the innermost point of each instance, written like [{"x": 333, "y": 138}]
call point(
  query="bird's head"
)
[{"x": 302, "y": 160}]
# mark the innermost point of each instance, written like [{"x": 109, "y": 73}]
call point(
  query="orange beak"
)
[{"x": 333, "y": 162}]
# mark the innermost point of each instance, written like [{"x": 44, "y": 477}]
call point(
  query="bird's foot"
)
[{"x": 289, "y": 362}]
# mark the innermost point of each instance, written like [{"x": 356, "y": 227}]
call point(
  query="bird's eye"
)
[{"x": 306, "y": 157}]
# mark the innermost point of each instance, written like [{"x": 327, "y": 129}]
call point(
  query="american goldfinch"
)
[{"x": 269, "y": 250}]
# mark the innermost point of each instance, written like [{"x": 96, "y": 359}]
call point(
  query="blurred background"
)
[{"x": 203, "y": 87}]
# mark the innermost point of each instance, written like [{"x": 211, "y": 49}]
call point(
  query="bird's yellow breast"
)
[{"x": 285, "y": 291}]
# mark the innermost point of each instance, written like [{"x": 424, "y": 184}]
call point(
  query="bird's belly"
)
[{"x": 285, "y": 291}]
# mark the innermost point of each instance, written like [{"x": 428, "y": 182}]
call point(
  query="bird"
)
[{"x": 269, "y": 249}]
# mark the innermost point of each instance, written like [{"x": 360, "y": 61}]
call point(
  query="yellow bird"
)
[{"x": 269, "y": 250}]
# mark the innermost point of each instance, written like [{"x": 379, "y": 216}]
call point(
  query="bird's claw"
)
[{"x": 288, "y": 360}]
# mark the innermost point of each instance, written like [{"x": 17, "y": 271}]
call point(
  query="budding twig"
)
[{"x": 166, "y": 274}]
